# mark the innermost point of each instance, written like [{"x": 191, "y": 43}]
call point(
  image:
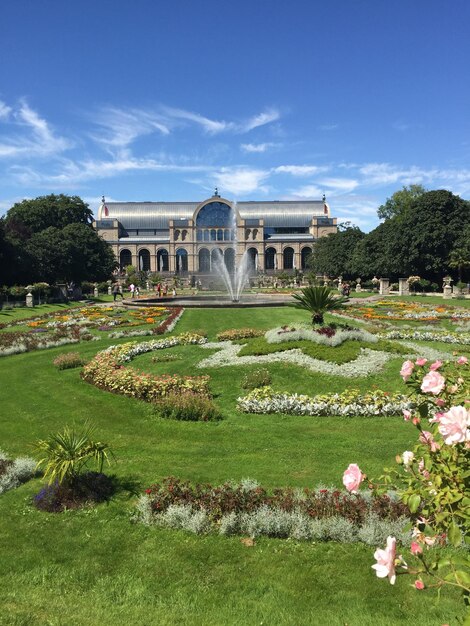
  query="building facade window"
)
[
  {"x": 144, "y": 260},
  {"x": 181, "y": 260},
  {"x": 229, "y": 260},
  {"x": 270, "y": 259},
  {"x": 253, "y": 259},
  {"x": 125, "y": 259},
  {"x": 204, "y": 260},
  {"x": 304, "y": 256},
  {"x": 288, "y": 257},
  {"x": 162, "y": 261}
]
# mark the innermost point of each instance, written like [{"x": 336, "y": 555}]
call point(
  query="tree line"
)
[
  {"x": 51, "y": 239},
  {"x": 424, "y": 233}
]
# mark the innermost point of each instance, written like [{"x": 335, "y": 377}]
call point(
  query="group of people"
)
[
  {"x": 345, "y": 289},
  {"x": 161, "y": 290}
]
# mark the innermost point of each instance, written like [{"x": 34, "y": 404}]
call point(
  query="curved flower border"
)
[{"x": 350, "y": 403}]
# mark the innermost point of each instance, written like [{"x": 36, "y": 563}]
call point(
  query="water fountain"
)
[
  {"x": 234, "y": 283},
  {"x": 234, "y": 279}
]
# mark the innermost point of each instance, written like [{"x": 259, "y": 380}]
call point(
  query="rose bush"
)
[{"x": 433, "y": 479}]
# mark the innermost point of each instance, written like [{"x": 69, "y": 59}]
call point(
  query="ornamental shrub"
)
[
  {"x": 432, "y": 479},
  {"x": 69, "y": 360},
  {"x": 187, "y": 406},
  {"x": 258, "y": 378},
  {"x": 14, "y": 472}
]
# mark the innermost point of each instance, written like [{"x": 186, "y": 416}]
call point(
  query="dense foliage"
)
[
  {"x": 425, "y": 234},
  {"x": 51, "y": 239}
]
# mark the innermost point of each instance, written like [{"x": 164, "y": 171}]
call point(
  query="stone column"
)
[
  {"x": 384, "y": 288},
  {"x": 358, "y": 288},
  {"x": 403, "y": 287},
  {"x": 29, "y": 297},
  {"x": 95, "y": 291},
  {"x": 110, "y": 290},
  {"x": 447, "y": 292}
]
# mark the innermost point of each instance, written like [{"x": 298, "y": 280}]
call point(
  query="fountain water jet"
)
[{"x": 234, "y": 283}]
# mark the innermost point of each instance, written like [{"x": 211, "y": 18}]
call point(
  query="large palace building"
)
[{"x": 183, "y": 237}]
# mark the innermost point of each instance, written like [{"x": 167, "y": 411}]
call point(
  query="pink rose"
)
[
  {"x": 416, "y": 548},
  {"x": 433, "y": 383},
  {"x": 440, "y": 402},
  {"x": 435, "y": 366},
  {"x": 352, "y": 478},
  {"x": 406, "y": 370},
  {"x": 419, "y": 584},
  {"x": 462, "y": 360},
  {"x": 421, "y": 361},
  {"x": 427, "y": 438},
  {"x": 436, "y": 418},
  {"x": 454, "y": 425},
  {"x": 406, "y": 415},
  {"x": 385, "y": 565}
]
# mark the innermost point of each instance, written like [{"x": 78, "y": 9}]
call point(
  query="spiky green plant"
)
[
  {"x": 318, "y": 300},
  {"x": 66, "y": 453}
]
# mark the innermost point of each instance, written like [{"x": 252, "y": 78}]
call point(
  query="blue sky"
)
[{"x": 152, "y": 100}]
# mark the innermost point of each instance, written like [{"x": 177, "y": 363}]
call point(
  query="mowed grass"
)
[{"x": 97, "y": 567}]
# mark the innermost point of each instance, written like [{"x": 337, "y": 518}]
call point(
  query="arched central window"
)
[
  {"x": 144, "y": 260},
  {"x": 214, "y": 214}
]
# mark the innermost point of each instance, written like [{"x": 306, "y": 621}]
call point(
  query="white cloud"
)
[
  {"x": 307, "y": 192},
  {"x": 343, "y": 185},
  {"x": 300, "y": 170},
  {"x": 241, "y": 180},
  {"x": 4, "y": 110},
  {"x": 266, "y": 117},
  {"x": 257, "y": 147},
  {"x": 209, "y": 126},
  {"x": 38, "y": 140},
  {"x": 123, "y": 127},
  {"x": 73, "y": 173}
]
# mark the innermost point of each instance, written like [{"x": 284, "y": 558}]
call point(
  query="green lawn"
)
[{"x": 96, "y": 567}]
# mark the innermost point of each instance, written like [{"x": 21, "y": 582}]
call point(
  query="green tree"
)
[
  {"x": 416, "y": 242},
  {"x": 318, "y": 300},
  {"x": 32, "y": 216},
  {"x": 400, "y": 202},
  {"x": 51, "y": 239},
  {"x": 73, "y": 253},
  {"x": 332, "y": 255},
  {"x": 459, "y": 257}
]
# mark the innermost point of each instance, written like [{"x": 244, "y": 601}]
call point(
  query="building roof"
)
[{"x": 156, "y": 215}]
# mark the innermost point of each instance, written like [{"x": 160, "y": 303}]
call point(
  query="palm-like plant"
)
[
  {"x": 318, "y": 300},
  {"x": 66, "y": 453}
]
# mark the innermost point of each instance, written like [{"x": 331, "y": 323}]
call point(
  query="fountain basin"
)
[{"x": 213, "y": 302}]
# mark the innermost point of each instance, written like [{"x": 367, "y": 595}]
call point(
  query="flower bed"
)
[
  {"x": 106, "y": 370},
  {"x": 247, "y": 508},
  {"x": 350, "y": 403},
  {"x": 166, "y": 326},
  {"x": 15, "y": 472},
  {"x": 299, "y": 333},
  {"x": 239, "y": 333},
  {"x": 18, "y": 342},
  {"x": 462, "y": 338}
]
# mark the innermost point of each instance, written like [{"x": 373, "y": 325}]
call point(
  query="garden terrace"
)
[{"x": 93, "y": 565}]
